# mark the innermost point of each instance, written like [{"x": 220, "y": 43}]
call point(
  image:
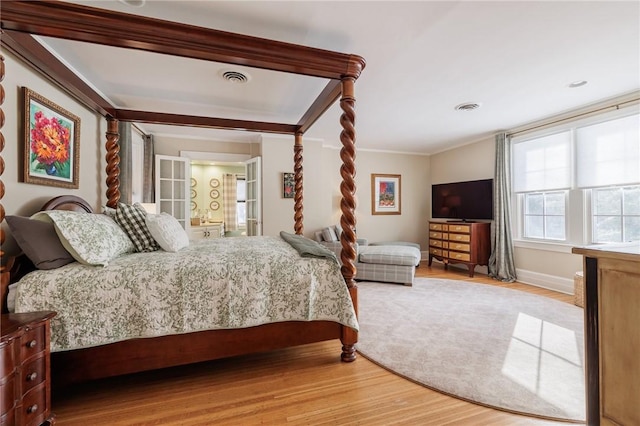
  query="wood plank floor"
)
[{"x": 307, "y": 385}]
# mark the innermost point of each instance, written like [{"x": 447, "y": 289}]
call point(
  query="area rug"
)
[{"x": 498, "y": 347}]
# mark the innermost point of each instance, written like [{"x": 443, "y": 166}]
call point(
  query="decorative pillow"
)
[
  {"x": 329, "y": 234},
  {"x": 109, "y": 211},
  {"x": 318, "y": 236},
  {"x": 132, "y": 219},
  {"x": 92, "y": 239},
  {"x": 167, "y": 232},
  {"x": 39, "y": 242},
  {"x": 338, "y": 229}
]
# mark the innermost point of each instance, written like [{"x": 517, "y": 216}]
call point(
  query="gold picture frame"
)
[
  {"x": 386, "y": 194},
  {"x": 51, "y": 143}
]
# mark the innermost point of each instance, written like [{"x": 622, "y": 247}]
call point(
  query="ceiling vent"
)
[
  {"x": 235, "y": 77},
  {"x": 469, "y": 106},
  {"x": 133, "y": 3}
]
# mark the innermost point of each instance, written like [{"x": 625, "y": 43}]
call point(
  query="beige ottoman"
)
[{"x": 578, "y": 289}]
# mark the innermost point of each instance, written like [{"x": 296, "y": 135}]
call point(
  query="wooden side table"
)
[{"x": 25, "y": 369}]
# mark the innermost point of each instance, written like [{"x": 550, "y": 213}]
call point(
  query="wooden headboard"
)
[{"x": 20, "y": 265}]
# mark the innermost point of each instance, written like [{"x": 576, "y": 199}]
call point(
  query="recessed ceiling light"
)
[
  {"x": 133, "y": 3},
  {"x": 468, "y": 106},
  {"x": 577, "y": 83}
]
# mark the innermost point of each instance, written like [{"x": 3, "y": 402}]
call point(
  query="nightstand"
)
[{"x": 25, "y": 369}]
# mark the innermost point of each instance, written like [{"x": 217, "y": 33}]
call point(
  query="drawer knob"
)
[
  {"x": 32, "y": 409},
  {"x": 32, "y": 344},
  {"x": 31, "y": 377}
]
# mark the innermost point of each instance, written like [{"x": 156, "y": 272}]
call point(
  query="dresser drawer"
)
[
  {"x": 33, "y": 373},
  {"x": 436, "y": 235},
  {"x": 437, "y": 227},
  {"x": 460, "y": 247},
  {"x": 435, "y": 251},
  {"x": 32, "y": 342},
  {"x": 465, "y": 257},
  {"x": 460, "y": 237},
  {"x": 460, "y": 228},
  {"x": 34, "y": 404},
  {"x": 436, "y": 243}
]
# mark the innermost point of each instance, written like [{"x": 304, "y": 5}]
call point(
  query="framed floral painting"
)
[
  {"x": 51, "y": 139},
  {"x": 385, "y": 194}
]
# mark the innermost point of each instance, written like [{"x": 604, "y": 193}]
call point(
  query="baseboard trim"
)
[{"x": 550, "y": 282}]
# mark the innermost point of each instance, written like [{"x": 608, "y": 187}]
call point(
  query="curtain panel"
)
[
  {"x": 501, "y": 262},
  {"x": 229, "y": 200}
]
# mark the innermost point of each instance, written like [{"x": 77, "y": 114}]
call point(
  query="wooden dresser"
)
[
  {"x": 612, "y": 333},
  {"x": 460, "y": 242},
  {"x": 25, "y": 384}
]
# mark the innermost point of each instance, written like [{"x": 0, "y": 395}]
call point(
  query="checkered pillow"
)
[{"x": 132, "y": 219}]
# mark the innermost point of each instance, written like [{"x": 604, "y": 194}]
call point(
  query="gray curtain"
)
[
  {"x": 148, "y": 177},
  {"x": 501, "y": 263},
  {"x": 124, "y": 128}
]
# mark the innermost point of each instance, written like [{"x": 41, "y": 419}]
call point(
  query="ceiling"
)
[{"x": 515, "y": 58}]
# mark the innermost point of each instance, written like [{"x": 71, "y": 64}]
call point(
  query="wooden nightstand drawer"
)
[
  {"x": 33, "y": 373},
  {"x": 34, "y": 404},
  {"x": 32, "y": 342},
  {"x": 7, "y": 396},
  {"x": 460, "y": 237}
]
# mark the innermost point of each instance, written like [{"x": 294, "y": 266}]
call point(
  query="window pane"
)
[
  {"x": 241, "y": 190},
  {"x": 555, "y": 227},
  {"x": 632, "y": 228},
  {"x": 534, "y": 227},
  {"x": 542, "y": 163},
  {"x": 554, "y": 203},
  {"x": 607, "y": 201},
  {"x": 534, "y": 203},
  {"x": 607, "y": 229},
  {"x": 241, "y": 211},
  {"x": 632, "y": 200}
]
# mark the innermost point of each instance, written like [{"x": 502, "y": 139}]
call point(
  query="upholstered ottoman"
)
[{"x": 388, "y": 263}]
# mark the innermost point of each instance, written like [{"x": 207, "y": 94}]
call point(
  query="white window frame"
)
[{"x": 578, "y": 209}]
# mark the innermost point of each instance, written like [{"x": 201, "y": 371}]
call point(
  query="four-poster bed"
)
[{"x": 20, "y": 19}]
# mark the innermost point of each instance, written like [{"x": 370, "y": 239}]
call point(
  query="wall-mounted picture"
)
[
  {"x": 385, "y": 194},
  {"x": 288, "y": 185},
  {"x": 51, "y": 143}
]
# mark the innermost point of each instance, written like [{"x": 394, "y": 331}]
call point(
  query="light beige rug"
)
[{"x": 499, "y": 347}]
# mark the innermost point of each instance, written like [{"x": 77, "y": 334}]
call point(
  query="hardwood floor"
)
[{"x": 307, "y": 385}]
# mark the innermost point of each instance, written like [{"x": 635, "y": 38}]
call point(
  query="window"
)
[
  {"x": 580, "y": 183},
  {"x": 616, "y": 214},
  {"x": 544, "y": 215},
  {"x": 241, "y": 202}
]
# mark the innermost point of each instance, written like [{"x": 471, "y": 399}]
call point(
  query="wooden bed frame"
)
[{"x": 21, "y": 19}]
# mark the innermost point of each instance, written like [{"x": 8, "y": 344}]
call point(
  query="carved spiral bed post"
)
[
  {"x": 4, "y": 269},
  {"x": 348, "y": 206},
  {"x": 113, "y": 163},
  {"x": 298, "y": 208}
]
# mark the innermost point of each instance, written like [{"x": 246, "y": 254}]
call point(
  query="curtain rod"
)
[{"x": 573, "y": 117}]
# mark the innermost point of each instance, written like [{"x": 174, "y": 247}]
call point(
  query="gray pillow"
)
[{"x": 39, "y": 242}]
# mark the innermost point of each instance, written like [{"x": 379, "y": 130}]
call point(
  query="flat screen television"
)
[{"x": 464, "y": 201}]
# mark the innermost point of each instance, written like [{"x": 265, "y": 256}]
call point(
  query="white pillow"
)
[
  {"x": 92, "y": 239},
  {"x": 167, "y": 232}
]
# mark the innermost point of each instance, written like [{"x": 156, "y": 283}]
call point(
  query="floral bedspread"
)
[{"x": 212, "y": 284}]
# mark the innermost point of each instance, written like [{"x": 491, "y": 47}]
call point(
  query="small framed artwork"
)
[
  {"x": 214, "y": 205},
  {"x": 288, "y": 185},
  {"x": 51, "y": 143},
  {"x": 385, "y": 194},
  {"x": 214, "y": 193},
  {"x": 214, "y": 183}
]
